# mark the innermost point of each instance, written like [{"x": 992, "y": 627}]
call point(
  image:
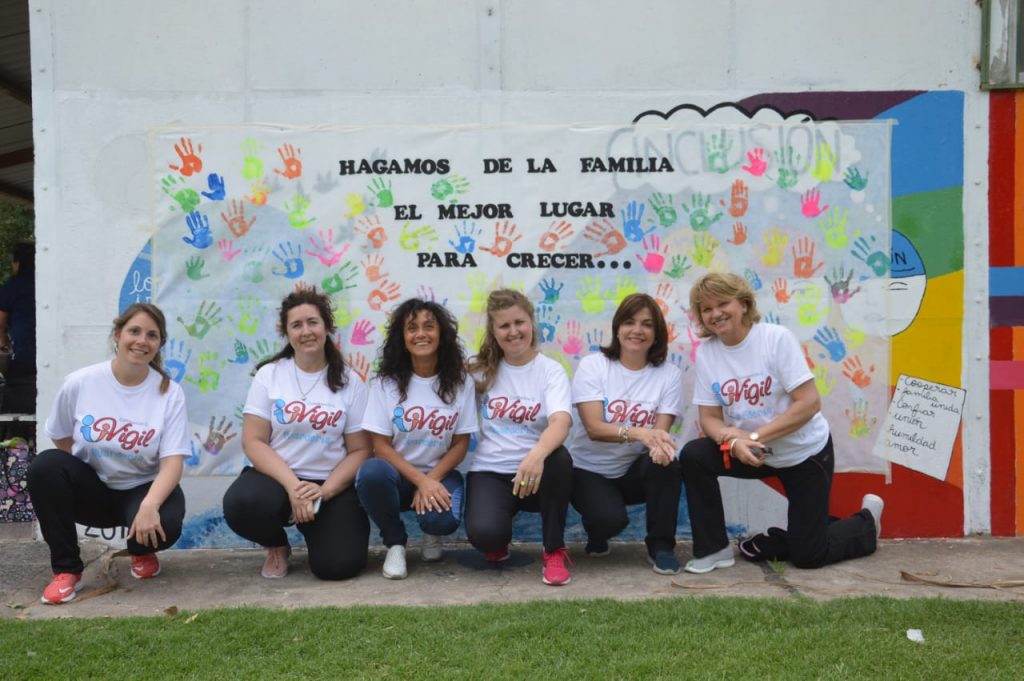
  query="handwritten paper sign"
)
[{"x": 921, "y": 425}]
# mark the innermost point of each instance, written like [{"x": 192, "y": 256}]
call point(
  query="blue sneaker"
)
[
  {"x": 664, "y": 562},
  {"x": 597, "y": 547}
]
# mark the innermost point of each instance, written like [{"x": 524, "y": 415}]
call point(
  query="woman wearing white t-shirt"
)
[
  {"x": 301, "y": 432},
  {"x": 627, "y": 397},
  {"x": 419, "y": 413},
  {"x": 520, "y": 463},
  {"x": 761, "y": 414},
  {"x": 121, "y": 434}
]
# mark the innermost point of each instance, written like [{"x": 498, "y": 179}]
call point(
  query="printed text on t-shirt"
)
[
  {"x": 297, "y": 410},
  {"x": 106, "y": 428},
  {"x": 637, "y": 413},
  {"x": 752, "y": 391}
]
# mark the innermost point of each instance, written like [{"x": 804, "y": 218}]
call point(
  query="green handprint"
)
[
  {"x": 590, "y": 295},
  {"x": 194, "y": 268},
  {"x": 449, "y": 187},
  {"x": 261, "y": 352},
  {"x": 718, "y": 153},
  {"x": 342, "y": 279},
  {"x": 252, "y": 166},
  {"x": 297, "y": 212},
  {"x": 253, "y": 271},
  {"x": 343, "y": 314},
  {"x": 679, "y": 266},
  {"x": 787, "y": 161},
  {"x": 248, "y": 322},
  {"x": 834, "y": 227},
  {"x": 824, "y": 163},
  {"x": 209, "y": 377},
  {"x": 207, "y": 317},
  {"x": 664, "y": 209},
  {"x": 824, "y": 382},
  {"x": 382, "y": 190},
  {"x": 624, "y": 286},
  {"x": 854, "y": 180},
  {"x": 420, "y": 239},
  {"x": 186, "y": 198},
  {"x": 478, "y": 290},
  {"x": 808, "y": 312},
  {"x": 699, "y": 211},
  {"x": 703, "y": 251}
]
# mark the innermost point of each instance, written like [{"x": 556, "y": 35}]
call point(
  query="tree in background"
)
[{"x": 17, "y": 223}]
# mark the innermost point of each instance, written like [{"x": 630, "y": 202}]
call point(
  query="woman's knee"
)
[
  {"x": 691, "y": 457},
  {"x": 45, "y": 466},
  {"x": 375, "y": 472},
  {"x": 337, "y": 567},
  {"x": 488, "y": 536}
]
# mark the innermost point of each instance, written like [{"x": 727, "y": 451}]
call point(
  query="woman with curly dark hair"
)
[
  {"x": 419, "y": 414},
  {"x": 302, "y": 433}
]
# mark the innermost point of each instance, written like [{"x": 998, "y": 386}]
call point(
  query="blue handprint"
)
[
  {"x": 289, "y": 255},
  {"x": 751, "y": 276},
  {"x": 176, "y": 359},
  {"x": 467, "y": 237},
  {"x": 216, "y": 184},
  {"x": 773, "y": 318},
  {"x": 199, "y": 227},
  {"x": 551, "y": 294},
  {"x": 830, "y": 340},
  {"x": 595, "y": 338},
  {"x": 192, "y": 460},
  {"x": 631, "y": 218},
  {"x": 545, "y": 323},
  {"x": 875, "y": 259},
  {"x": 241, "y": 353}
]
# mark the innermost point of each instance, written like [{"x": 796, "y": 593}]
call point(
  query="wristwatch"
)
[{"x": 754, "y": 436}]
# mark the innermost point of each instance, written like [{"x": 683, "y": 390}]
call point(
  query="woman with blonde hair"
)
[
  {"x": 761, "y": 416},
  {"x": 520, "y": 463}
]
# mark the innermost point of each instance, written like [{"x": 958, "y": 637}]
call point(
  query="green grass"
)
[{"x": 718, "y": 638}]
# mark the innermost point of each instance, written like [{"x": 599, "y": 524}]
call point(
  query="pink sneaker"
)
[
  {"x": 276, "y": 564},
  {"x": 145, "y": 567},
  {"x": 556, "y": 573},
  {"x": 497, "y": 556},
  {"x": 62, "y": 589}
]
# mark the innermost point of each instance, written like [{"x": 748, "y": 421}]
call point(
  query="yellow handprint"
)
[
  {"x": 823, "y": 381},
  {"x": 775, "y": 247},
  {"x": 624, "y": 286},
  {"x": 355, "y": 204},
  {"x": 418, "y": 239},
  {"x": 703, "y": 251},
  {"x": 590, "y": 295}
]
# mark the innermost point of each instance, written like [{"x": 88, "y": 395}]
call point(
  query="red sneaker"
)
[
  {"x": 144, "y": 567},
  {"x": 62, "y": 589},
  {"x": 556, "y": 573},
  {"x": 497, "y": 556}
]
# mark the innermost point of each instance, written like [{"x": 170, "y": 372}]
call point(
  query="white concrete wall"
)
[{"x": 105, "y": 72}]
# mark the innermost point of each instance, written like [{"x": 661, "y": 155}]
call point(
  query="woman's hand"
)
[
  {"x": 527, "y": 478},
  {"x": 728, "y": 433},
  {"x": 748, "y": 451},
  {"x": 146, "y": 528},
  {"x": 303, "y": 499},
  {"x": 659, "y": 444},
  {"x": 431, "y": 495}
]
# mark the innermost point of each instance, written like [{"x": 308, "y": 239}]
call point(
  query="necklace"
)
[{"x": 298, "y": 382}]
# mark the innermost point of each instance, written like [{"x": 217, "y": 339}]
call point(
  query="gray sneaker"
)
[
  {"x": 874, "y": 505},
  {"x": 432, "y": 550},
  {"x": 394, "y": 563},
  {"x": 719, "y": 559}
]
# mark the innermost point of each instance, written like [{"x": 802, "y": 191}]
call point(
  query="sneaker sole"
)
[
  {"x": 149, "y": 577},
  {"x": 545, "y": 580},
  {"x": 70, "y": 597},
  {"x": 661, "y": 571},
  {"x": 692, "y": 569},
  {"x": 391, "y": 576}
]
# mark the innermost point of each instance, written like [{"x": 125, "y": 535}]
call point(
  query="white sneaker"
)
[
  {"x": 874, "y": 504},
  {"x": 723, "y": 558},
  {"x": 394, "y": 563},
  {"x": 432, "y": 550}
]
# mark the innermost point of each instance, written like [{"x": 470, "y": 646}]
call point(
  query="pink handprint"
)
[
  {"x": 803, "y": 259},
  {"x": 739, "y": 234},
  {"x": 757, "y": 164},
  {"x": 361, "y": 332},
  {"x": 654, "y": 256},
  {"x": 573, "y": 343},
  {"x": 809, "y": 204},
  {"x": 227, "y": 249},
  {"x": 190, "y": 161},
  {"x": 292, "y": 165},
  {"x": 556, "y": 236},
  {"x": 323, "y": 248},
  {"x": 853, "y": 369},
  {"x": 694, "y": 344}
]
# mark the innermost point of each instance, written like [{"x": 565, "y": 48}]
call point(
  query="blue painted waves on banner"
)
[{"x": 138, "y": 283}]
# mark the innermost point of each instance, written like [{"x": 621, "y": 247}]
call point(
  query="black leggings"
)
[
  {"x": 812, "y": 538},
  {"x": 491, "y": 504},
  {"x": 66, "y": 490},
  {"x": 602, "y": 501},
  {"x": 256, "y": 507}
]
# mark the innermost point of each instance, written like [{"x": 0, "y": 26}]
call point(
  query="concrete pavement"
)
[{"x": 989, "y": 568}]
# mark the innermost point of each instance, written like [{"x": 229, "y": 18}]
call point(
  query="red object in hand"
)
[{"x": 726, "y": 448}]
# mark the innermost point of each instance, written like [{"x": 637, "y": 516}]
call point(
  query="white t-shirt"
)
[
  {"x": 121, "y": 431},
  {"x": 632, "y": 398},
  {"x": 751, "y": 382},
  {"x": 422, "y": 426},
  {"x": 514, "y": 412},
  {"x": 307, "y": 432}
]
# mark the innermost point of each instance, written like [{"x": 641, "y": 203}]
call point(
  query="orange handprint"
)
[
  {"x": 672, "y": 333},
  {"x": 739, "y": 234},
  {"x": 385, "y": 292},
  {"x": 853, "y": 369},
  {"x": 371, "y": 265},
  {"x": 803, "y": 259},
  {"x": 662, "y": 296},
  {"x": 357, "y": 363},
  {"x": 372, "y": 229},
  {"x": 556, "y": 236},
  {"x": 606, "y": 234},
  {"x": 781, "y": 288},
  {"x": 292, "y": 165},
  {"x": 260, "y": 192},
  {"x": 235, "y": 219},
  {"x": 739, "y": 199},
  {"x": 504, "y": 236},
  {"x": 190, "y": 161}
]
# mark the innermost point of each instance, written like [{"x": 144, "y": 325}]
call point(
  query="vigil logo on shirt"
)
[
  {"x": 417, "y": 418},
  {"x": 515, "y": 409},
  {"x": 752, "y": 390},
  {"x": 638, "y": 414},
  {"x": 298, "y": 411},
  {"x": 128, "y": 436}
]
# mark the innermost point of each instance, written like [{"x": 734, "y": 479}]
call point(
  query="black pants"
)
[
  {"x": 601, "y": 501},
  {"x": 66, "y": 490},
  {"x": 491, "y": 504},
  {"x": 256, "y": 507},
  {"x": 812, "y": 538}
]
